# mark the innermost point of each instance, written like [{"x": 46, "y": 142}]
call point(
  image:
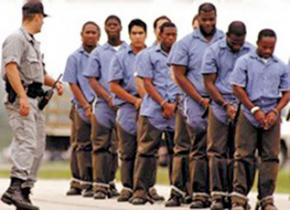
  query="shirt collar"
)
[
  {"x": 198, "y": 35},
  {"x": 254, "y": 55},
  {"x": 108, "y": 46},
  {"x": 158, "y": 48},
  {"x": 27, "y": 35},
  {"x": 223, "y": 45}
]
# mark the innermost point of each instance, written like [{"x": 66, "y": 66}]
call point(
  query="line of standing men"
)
[{"x": 209, "y": 100}]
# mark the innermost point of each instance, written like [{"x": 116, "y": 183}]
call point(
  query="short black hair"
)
[
  {"x": 237, "y": 28},
  {"x": 206, "y": 7},
  {"x": 91, "y": 23},
  {"x": 113, "y": 17},
  {"x": 137, "y": 22},
  {"x": 165, "y": 25},
  {"x": 160, "y": 18},
  {"x": 266, "y": 33}
]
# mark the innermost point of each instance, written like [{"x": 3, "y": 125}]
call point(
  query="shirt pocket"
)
[{"x": 33, "y": 67}]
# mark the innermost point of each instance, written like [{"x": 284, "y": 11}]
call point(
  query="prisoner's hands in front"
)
[
  {"x": 231, "y": 111},
  {"x": 270, "y": 119},
  {"x": 260, "y": 116},
  {"x": 168, "y": 110}
]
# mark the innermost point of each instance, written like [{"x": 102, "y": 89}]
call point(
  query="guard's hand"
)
[
  {"x": 138, "y": 103},
  {"x": 260, "y": 117},
  {"x": 168, "y": 110},
  {"x": 270, "y": 120},
  {"x": 59, "y": 88},
  {"x": 205, "y": 102},
  {"x": 231, "y": 111},
  {"x": 24, "y": 107}
]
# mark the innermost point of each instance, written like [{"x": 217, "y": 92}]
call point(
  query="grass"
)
[{"x": 60, "y": 170}]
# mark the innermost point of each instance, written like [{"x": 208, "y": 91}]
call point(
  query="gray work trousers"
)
[{"x": 28, "y": 143}]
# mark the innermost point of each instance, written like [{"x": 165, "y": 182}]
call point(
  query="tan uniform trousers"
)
[
  {"x": 180, "y": 168},
  {"x": 220, "y": 151},
  {"x": 105, "y": 157},
  {"x": 248, "y": 139}
]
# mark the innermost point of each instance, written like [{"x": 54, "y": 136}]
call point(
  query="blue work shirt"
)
[
  {"x": 189, "y": 52},
  {"x": 263, "y": 82},
  {"x": 122, "y": 69},
  {"x": 220, "y": 59},
  {"x": 73, "y": 73},
  {"x": 154, "y": 66},
  {"x": 98, "y": 67}
]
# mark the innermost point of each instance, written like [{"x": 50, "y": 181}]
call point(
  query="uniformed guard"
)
[
  {"x": 122, "y": 84},
  {"x": 157, "y": 111},
  {"x": 103, "y": 124},
  {"x": 24, "y": 75},
  {"x": 83, "y": 96},
  {"x": 262, "y": 83},
  {"x": 141, "y": 91},
  {"x": 185, "y": 59},
  {"x": 217, "y": 65}
]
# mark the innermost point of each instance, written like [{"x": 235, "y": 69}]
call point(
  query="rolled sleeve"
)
[
  {"x": 239, "y": 75},
  {"x": 70, "y": 72},
  {"x": 13, "y": 49},
  {"x": 145, "y": 69},
  {"x": 285, "y": 80},
  {"x": 93, "y": 67},
  {"x": 178, "y": 54},
  {"x": 209, "y": 63},
  {"x": 116, "y": 70}
]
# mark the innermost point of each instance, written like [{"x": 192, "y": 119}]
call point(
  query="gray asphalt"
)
[{"x": 50, "y": 195}]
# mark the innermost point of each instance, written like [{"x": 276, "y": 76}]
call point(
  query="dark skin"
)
[
  {"x": 234, "y": 43},
  {"x": 265, "y": 49},
  {"x": 90, "y": 36},
  {"x": 137, "y": 37},
  {"x": 113, "y": 30},
  {"x": 167, "y": 37},
  {"x": 207, "y": 25}
]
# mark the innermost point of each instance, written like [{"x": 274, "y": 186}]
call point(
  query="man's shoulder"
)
[{"x": 15, "y": 36}]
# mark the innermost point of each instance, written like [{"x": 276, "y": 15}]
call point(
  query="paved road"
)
[{"x": 50, "y": 195}]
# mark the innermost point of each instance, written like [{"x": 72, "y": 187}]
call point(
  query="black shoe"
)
[
  {"x": 74, "y": 191},
  {"x": 113, "y": 192},
  {"x": 199, "y": 204},
  {"x": 217, "y": 205},
  {"x": 14, "y": 195},
  {"x": 173, "y": 201},
  {"x": 124, "y": 196},
  {"x": 155, "y": 196},
  {"x": 187, "y": 199},
  {"x": 100, "y": 195},
  {"x": 88, "y": 192}
]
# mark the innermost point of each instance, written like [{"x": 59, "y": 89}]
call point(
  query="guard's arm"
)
[
  {"x": 49, "y": 81},
  {"x": 13, "y": 77}
]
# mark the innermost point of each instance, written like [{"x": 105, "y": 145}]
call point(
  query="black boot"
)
[
  {"x": 14, "y": 195},
  {"x": 26, "y": 195}
]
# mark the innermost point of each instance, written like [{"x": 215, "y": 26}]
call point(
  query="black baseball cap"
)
[{"x": 33, "y": 7}]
